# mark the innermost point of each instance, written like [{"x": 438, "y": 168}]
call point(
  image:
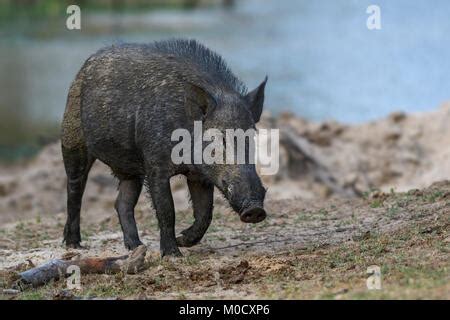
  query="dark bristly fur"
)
[
  {"x": 122, "y": 109},
  {"x": 207, "y": 60}
]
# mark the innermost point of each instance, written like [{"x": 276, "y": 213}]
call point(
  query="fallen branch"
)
[
  {"x": 304, "y": 152},
  {"x": 56, "y": 268}
]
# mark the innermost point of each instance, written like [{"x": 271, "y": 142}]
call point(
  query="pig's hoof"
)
[
  {"x": 174, "y": 252},
  {"x": 131, "y": 245},
  {"x": 75, "y": 245},
  {"x": 184, "y": 241}
]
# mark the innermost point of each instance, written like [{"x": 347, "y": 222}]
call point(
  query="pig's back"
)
[
  {"x": 120, "y": 85},
  {"x": 129, "y": 86}
]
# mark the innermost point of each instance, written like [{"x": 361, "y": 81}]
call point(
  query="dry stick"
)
[
  {"x": 286, "y": 240},
  {"x": 254, "y": 243},
  {"x": 321, "y": 173},
  {"x": 56, "y": 268}
]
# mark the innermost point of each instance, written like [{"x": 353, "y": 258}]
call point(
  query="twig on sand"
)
[{"x": 253, "y": 243}]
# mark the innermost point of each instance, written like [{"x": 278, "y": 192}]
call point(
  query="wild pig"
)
[{"x": 122, "y": 108}]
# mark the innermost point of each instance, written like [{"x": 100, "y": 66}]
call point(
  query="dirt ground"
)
[
  {"x": 304, "y": 250},
  {"x": 315, "y": 244}
]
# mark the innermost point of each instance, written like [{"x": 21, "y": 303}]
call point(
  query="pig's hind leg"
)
[
  {"x": 202, "y": 202},
  {"x": 77, "y": 163},
  {"x": 129, "y": 191}
]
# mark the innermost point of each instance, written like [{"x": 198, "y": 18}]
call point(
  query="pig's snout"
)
[
  {"x": 246, "y": 195},
  {"x": 253, "y": 215}
]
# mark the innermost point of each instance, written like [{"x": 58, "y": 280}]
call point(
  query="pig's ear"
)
[
  {"x": 198, "y": 101},
  {"x": 255, "y": 99}
]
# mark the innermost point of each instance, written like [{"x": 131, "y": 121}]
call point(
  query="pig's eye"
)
[{"x": 223, "y": 183}]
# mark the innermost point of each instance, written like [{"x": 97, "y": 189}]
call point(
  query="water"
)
[{"x": 322, "y": 61}]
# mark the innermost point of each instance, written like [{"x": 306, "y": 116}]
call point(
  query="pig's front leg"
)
[
  {"x": 159, "y": 188},
  {"x": 202, "y": 202}
]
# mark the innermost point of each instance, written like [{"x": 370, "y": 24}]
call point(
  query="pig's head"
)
[{"x": 238, "y": 182}]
